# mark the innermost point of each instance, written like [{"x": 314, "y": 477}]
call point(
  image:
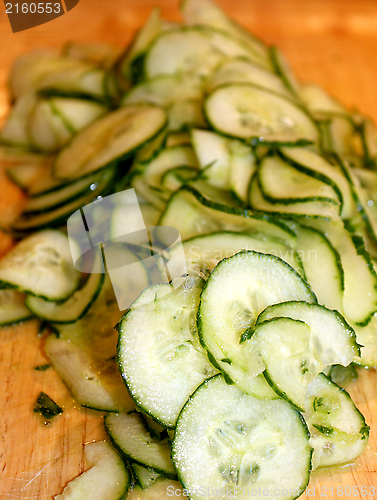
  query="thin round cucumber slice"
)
[
  {"x": 130, "y": 436},
  {"x": 338, "y": 430},
  {"x": 303, "y": 209},
  {"x": 144, "y": 477},
  {"x": 12, "y": 307},
  {"x": 367, "y": 338},
  {"x": 183, "y": 50},
  {"x": 206, "y": 13},
  {"x": 332, "y": 339},
  {"x": 249, "y": 112},
  {"x": 41, "y": 265},
  {"x": 240, "y": 70},
  {"x": 322, "y": 265},
  {"x": 162, "y": 377},
  {"x": 94, "y": 383},
  {"x": 107, "y": 479},
  {"x": 238, "y": 289},
  {"x": 284, "y": 345},
  {"x": 282, "y": 183},
  {"x": 315, "y": 165},
  {"x": 193, "y": 214},
  {"x": 205, "y": 252},
  {"x": 233, "y": 443},
  {"x": 116, "y": 135},
  {"x": 76, "y": 306}
]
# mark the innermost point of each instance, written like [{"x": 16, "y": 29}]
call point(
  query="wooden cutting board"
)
[{"x": 330, "y": 42}]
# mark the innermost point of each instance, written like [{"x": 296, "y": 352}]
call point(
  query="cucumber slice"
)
[
  {"x": 54, "y": 121},
  {"x": 238, "y": 289},
  {"x": 130, "y": 62},
  {"x": 86, "y": 82},
  {"x": 303, "y": 209},
  {"x": 226, "y": 163},
  {"x": 282, "y": 183},
  {"x": 94, "y": 383},
  {"x": 21, "y": 167},
  {"x": 297, "y": 341},
  {"x": 30, "y": 68},
  {"x": 249, "y": 112},
  {"x": 316, "y": 166},
  {"x": 205, "y": 252},
  {"x": 193, "y": 215},
  {"x": 152, "y": 148},
  {"x": 130, "y": 437},
  {"x": 15, "y": 130},
  {"x": 164, "y": 90},
  {"x": 243, "y": 71},
  {"x": 360, "y": 281},
  {"x": 144, "y": 477},
  {"x": 369, "y": 137},
  {"x": 197, "y": 50},
  {"x": 107, "y": 479},
  {"x": 177, "y": 139},
  {"x": 233, "y": 443},
  {"x": 316, "y": 99},
  {"x": 182, "y": 50},
  {"x": 204, "y": 12},
  {"x": 365, "y": 205},
  {"x": 63, "y": 195},
  {"x": 148, "y": 183},
  {"x": 332, "y": 339},
  {"x": 183, "y": 115},
  {"x": 56, "y": 217},
  {"x": 110, "y": 138},
  {"x": 175, "y": 361},
  {"x": 339, "y": 132},
  {"x": 367, "y": 338},
  {"x": 338, "y": 430},
  {"x": 283, "y": 69},
  {"x": 41, "y": 265},
  {"x": 322, "y": 266},
  {"x": 76, "y": 306},
  {"x": 285, "y": 347},
  {"x": 12, "y": 307}
]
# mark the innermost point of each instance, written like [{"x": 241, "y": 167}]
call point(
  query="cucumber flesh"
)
[
  {"x": 12, "y": 307},
  {"x": 175, "y": 361},
  {"x": 107, "y": 479},
  {"x": 226, "y": 440},
  {"x": 338, "y": 430},
  {"x": 110, "y": 138},
  {"x": 94, "y": 383},
  {"x": 205, "y": 252},
  {"x": 332, "y": 339},
  {"x": 238, "y": 289},
  {"x": 249, "y": 112},
  {"x": 128, "y": 433},
  {"x": 73, "y": 308},
  {"x": 41, "y": 265},
  {"x": 322, "y": 266}
]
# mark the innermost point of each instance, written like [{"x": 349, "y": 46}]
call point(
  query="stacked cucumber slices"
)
[{"x": 219, "y": 379}]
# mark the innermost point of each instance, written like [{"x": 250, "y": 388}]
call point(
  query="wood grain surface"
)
[{"x": 330, "y": 42}]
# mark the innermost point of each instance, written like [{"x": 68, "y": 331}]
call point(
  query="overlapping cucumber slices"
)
[{"x": 272, "y": 186}]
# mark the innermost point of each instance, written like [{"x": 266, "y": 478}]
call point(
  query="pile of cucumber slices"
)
[{"x": 224, "y": 380}]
